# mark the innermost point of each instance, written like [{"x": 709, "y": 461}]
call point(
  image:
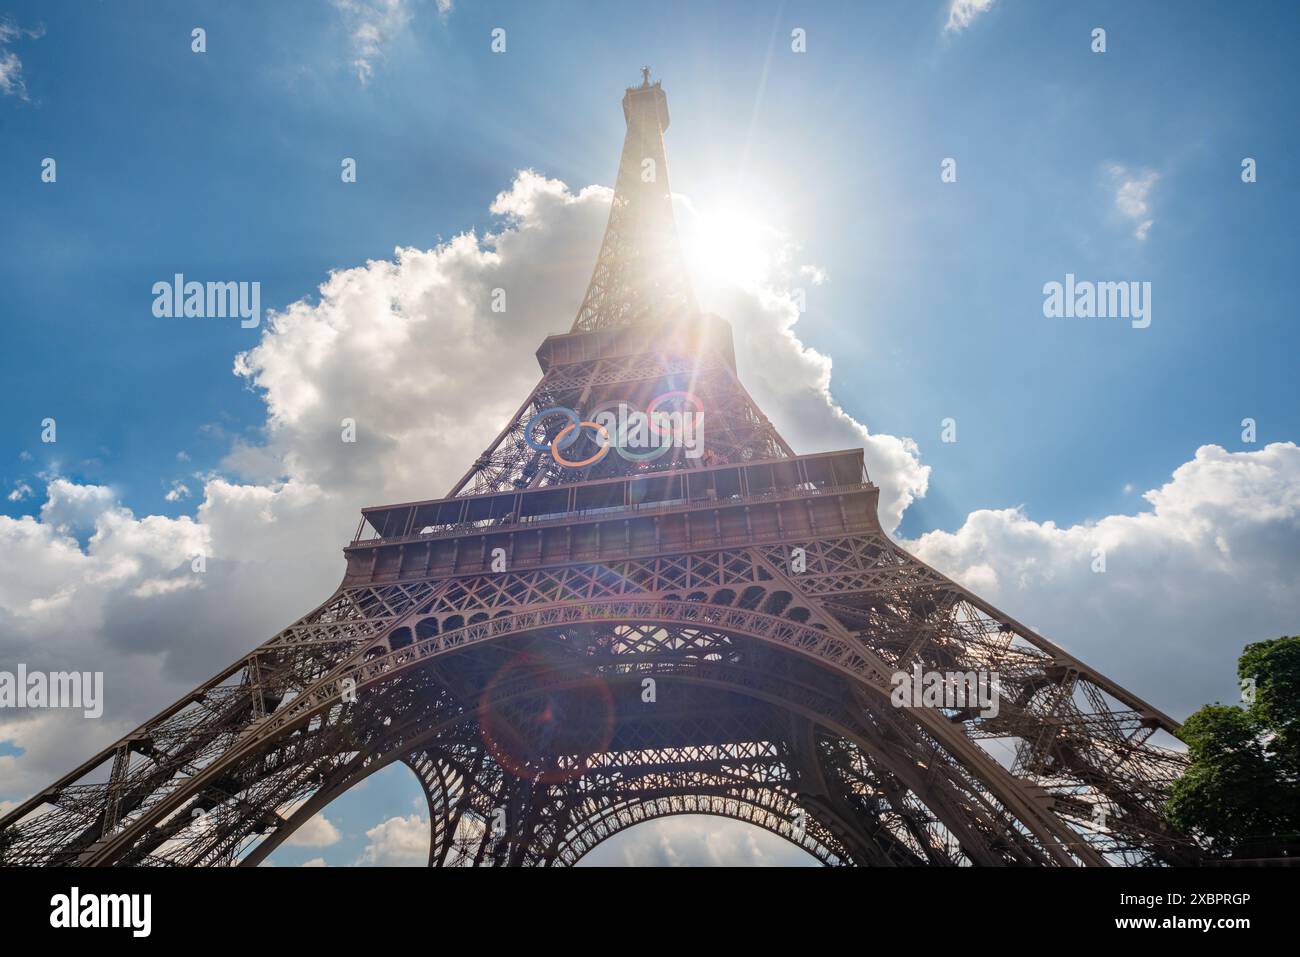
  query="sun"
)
[{"x": 729, "y": 244}]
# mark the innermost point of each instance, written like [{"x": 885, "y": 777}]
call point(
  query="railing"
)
[
  {"x": 550, "y": 519},
  {"x": 606, "y": 553}
]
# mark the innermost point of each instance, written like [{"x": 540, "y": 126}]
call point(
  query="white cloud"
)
[
  {"x": 961, "y": 13},
  {"x": 11, "y": 75},
  {"x": 398, "y": 842},
  {"x": 372, "y": 25},
  {"x": 1133, "y": 196},
  {"x": 314, "y": 862},
  {"x": 11, "y": 67},
  {"x": 21, "y": 490},
  {"x": 72, "y": 507},
  {"x": 319, "y": 831},
  {"x": 1209, "y": 568},
  {"x": 422, "y": 324},
  {"x": 61, "y": 607},
  {"x": 755, "y": 286},
  {"x": 178, "y": 491},
  {"x": 816, "y": 275}
]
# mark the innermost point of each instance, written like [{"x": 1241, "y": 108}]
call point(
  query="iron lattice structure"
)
[{"x": 517, "y": 696}]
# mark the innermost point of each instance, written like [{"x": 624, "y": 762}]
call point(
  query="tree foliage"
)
[{"x": 1241, "y": 793}]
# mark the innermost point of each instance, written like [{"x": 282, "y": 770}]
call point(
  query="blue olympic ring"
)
[{"x": 574, "y": 431}]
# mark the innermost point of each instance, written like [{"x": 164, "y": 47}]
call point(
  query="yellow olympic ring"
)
[{"x": 585, "y": 462}]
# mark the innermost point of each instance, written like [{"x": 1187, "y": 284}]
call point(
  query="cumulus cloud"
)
[
  {"x": 758, "y": 290},
  {"x": 422, "y": 324},
  {"x": 56, "y": 600},
  {"x": 816, "y": 275},
  {"x": 791, "y": 382},
  {"x": 397, "y": 842},
  {"x": 317, "y": 832},
  {"x": 20, "y": 491},
  {"x": 72, "y": 507},
  {"x": 1209, "y": 567},
  {"x": 961, "y": 13},
  {"x": 1133, "y": 196}
]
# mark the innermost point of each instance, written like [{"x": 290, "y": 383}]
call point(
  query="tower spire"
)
[{"x": 640, "y": 273}]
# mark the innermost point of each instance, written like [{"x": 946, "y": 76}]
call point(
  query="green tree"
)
[{"x": 1241, "y": 792}]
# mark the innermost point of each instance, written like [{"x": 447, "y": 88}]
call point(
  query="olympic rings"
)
[
  {"x": 545, "y": 413},
  {"x": 654, "y": 406},
  {"x": 614, "y": 406},
  {"x": 661, "y": 439},
  {"x": 587, "y": 461}
]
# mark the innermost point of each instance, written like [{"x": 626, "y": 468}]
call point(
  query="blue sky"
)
[{"x": 225, "y": 165}]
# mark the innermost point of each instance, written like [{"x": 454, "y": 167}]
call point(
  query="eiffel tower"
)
[{"x": 587, "y": 633}]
